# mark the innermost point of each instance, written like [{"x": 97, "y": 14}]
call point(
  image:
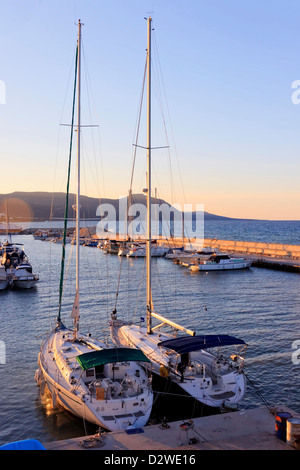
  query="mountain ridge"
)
[{"x": 43, "y": 205}]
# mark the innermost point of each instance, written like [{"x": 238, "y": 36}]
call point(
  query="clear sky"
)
[{"x": 227, "y": 70}]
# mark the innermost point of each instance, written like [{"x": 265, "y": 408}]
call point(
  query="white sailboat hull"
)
[
  {"x": 62, "y": 374},
  {"x": 226, "y": 385}
]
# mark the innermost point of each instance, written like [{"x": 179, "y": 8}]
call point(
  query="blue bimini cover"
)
[
  {"x": 187, "y": 344},
  {"x": 28, "y": 444}
]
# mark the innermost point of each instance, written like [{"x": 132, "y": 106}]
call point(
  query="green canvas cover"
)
[{"x": 112, "y": 355}]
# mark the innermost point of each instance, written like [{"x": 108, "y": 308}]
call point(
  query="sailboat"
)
[
  {"x": 103, "y": 385},
  {"x": 194, "y": 363}
]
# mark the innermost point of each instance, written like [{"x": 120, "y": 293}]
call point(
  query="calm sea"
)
[{"x": 260, "y": 306}]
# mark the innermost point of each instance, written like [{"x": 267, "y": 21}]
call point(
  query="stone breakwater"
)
[
  {"x": 256, "y": 248},
  {"x": 271, "y": 250}
]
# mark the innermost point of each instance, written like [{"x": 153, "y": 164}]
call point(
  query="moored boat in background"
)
[{"x": 220, "y": 262}]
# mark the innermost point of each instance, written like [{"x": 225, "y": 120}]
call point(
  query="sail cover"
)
[
  {"x": 187, "y": 344},
  {"x": 106, "y": 356},
  {"x": 75, "y": 309}
]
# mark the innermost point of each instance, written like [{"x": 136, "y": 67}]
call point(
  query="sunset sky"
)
[{"x": 222, "y": 100}]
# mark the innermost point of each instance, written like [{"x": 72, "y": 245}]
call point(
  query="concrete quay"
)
[
  {"x": 263, "y": 255},
  {"x": 252, "y": 429}
]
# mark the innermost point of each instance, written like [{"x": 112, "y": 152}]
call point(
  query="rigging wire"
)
[
  {"x": 118, "y": 286},
  {"x": 88, "y": 91},
  {"x": 135, "y": 146},
  {"x": 138, "y": 126},
  {"x": 67, "y": 193},
  {"x": 170, "y": 123},
  {"x": 259, "y": 393},
  {"x": 50, "y": 316},
  {"x": 140, "y": 286}
]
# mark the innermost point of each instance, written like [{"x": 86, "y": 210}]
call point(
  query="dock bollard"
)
[{"x": 280, "y": 424}]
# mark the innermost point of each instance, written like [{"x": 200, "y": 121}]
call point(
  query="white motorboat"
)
[
  {"x": 193, "y": 363},
  {"x": 140, "y": 251},
  {"x": 104, "y": 385},
  {"x": 22, "y": 276},
  {"x": 17, "y": 266},
  {"x": 220, "y": 262}
]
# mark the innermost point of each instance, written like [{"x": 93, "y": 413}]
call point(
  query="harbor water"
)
[{"x": 258, "y": 305}]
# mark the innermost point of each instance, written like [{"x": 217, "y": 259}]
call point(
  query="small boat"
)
[
  {"x": 38, "y": 235},
  {"x": 111, "y": 247},
  {"x": 17, "y": 266},
  {"x": 92, "y": 243},
  {"x": 126, "y": 246},
  {"x": 140, "y": 251},
  {"x": 104, "y": 385},
  {"x": 47, "y": 235},
  {"x": 23, "y": 277},
  {"x": 220, "y": 262},
  {"x": 174, "y": 252}
]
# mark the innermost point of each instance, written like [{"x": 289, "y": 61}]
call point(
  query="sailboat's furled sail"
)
[{"x": 75, "y": 309}]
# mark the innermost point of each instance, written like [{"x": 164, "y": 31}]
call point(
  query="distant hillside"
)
[{"x": 41, "y": 206}]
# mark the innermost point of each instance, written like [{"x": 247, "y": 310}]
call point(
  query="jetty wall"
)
[
  {"x": 255, "y": 248},
  {"x": 275, "y": 250}
]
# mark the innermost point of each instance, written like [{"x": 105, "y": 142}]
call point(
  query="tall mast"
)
[
  {"x": 76, "y": 303},
  {"x": 148, "y": 251}
]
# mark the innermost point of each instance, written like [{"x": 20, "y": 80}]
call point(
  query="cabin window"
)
[{"x": 89, "y": 373}]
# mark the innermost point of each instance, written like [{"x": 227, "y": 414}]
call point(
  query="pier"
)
[
  {"x": 263, "y": 255},
  {"x": 252, "y": 429}
]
